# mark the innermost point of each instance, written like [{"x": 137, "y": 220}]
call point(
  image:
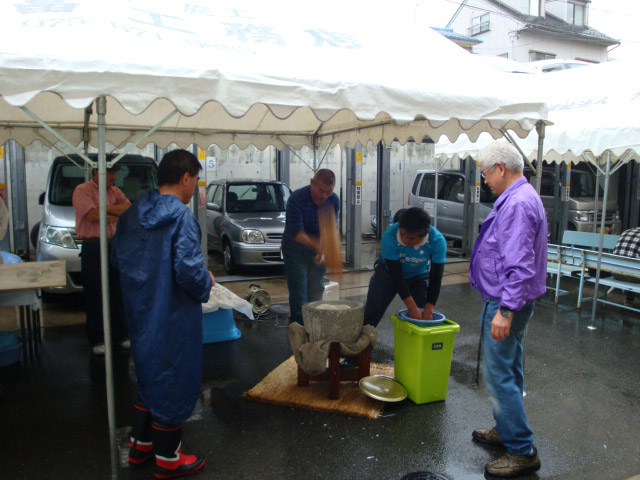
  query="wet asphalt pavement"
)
[{"x": 582, "y": 386}]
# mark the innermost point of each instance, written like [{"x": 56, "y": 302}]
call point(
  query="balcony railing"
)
[{"x": 480, "y": 28}]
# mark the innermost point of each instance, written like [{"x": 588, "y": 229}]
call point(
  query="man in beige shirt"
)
[{"x": 86, "y": 206}]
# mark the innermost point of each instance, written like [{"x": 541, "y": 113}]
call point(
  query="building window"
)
[
  {"x": 533, "y": 56},
  {"x": 479, "y": 24},
  {"x": 575, "y": 14}
]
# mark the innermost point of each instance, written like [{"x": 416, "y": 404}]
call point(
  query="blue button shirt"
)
[{"x": 302, "y": 216}]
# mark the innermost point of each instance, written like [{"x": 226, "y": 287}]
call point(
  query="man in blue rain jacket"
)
[{"x": 164, "y": 283}]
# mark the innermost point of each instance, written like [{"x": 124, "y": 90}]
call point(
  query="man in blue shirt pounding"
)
[
  {"x": 304, "y": 263},
  {"x": 411, "y": 264}
]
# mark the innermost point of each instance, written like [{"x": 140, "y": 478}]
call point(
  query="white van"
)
[{"x": 57, "y": 239}]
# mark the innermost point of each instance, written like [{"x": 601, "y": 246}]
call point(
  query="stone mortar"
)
[{"x": 337, "y": 325}]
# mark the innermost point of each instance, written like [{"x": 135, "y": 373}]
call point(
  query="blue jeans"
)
[
  {"x": 382, "y": 289},
  {"x": 504, "y": 378},
  {"x": 305, "y": 280}
]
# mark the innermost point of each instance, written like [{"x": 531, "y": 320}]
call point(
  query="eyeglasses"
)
[{"x": 487, "y": 170}]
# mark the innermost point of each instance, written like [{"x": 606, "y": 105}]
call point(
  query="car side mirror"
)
[
  {"x": 41, "y": 199},
  {"x": 460, "y": 197},
  {"x": 213, "y": 206}
]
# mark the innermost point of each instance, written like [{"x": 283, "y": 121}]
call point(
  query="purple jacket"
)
[{"x": 509, "y": 260}]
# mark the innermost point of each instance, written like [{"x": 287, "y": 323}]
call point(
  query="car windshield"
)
[
  {"x": 133, "y": 179},
  {"x": 583, "y": 184},
  {"x": 257, "y": 197}
]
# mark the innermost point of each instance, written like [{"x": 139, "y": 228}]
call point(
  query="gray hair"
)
[{"x": 503, "y": 153}]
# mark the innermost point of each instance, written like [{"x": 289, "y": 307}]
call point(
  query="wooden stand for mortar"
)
[
  {"x": 334, "y": 374},
  {"x": 340, "y": 326}
]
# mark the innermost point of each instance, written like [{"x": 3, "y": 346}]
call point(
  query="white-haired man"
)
[{"x": 508, "y": 266}]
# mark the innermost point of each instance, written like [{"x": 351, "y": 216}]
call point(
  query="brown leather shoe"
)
[
  {"x": 513, "y": 465},
  {"x": 490, "y": 436}
]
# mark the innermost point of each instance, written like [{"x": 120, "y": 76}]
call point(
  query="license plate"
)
[{"x": 606, "y": 230}]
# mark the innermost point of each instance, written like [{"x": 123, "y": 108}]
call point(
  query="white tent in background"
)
[
  {"x": 282, "y": 73},
  {"x": 594, "y": 114}
]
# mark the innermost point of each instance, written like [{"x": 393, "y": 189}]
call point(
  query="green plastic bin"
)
[{"x": 423, "y": 358}]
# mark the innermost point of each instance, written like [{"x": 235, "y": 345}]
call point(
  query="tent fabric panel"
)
[{"x": 248, "y": 74}]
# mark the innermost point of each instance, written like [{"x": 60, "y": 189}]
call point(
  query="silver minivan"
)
[
  {"x": 581, "y": 203},
  {"x": 57, "y": 230},
  {"x": 450, "y": 215}
]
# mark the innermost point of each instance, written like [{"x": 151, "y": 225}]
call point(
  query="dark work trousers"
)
[
  {"x": 305, "y": 279},
  {"x": 382, "y": 289},
  {"x": 90, "y": 261}
]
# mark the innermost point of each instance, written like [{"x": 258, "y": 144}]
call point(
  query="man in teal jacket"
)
[{"x": 164, "y": 283}]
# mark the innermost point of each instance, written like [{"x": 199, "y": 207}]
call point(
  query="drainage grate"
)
[{"x": 424, "y": 476}]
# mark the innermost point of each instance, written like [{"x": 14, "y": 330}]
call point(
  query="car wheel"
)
[
  {"x": 35, "y": 233},
  {"x": 229, "y": 263}
]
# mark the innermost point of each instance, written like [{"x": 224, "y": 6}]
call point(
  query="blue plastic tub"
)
[
  {"x": 219, "y": 326},
  {"x": 10, "y": 349},
  {"x": 438, "y": 319}
]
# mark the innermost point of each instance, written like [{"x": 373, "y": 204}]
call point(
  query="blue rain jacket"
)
[{"x": 157, "y": 251}]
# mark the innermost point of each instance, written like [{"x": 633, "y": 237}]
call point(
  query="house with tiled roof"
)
[
  {"x": 531, "y": 30},
  {"x": 465, "y": 41}
]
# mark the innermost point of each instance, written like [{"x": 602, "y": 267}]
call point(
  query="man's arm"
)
[
  {"x": 312, "y": 243},
  {"x": 188, "y": 261},
  {"x": 433, "y": 291},
  {"x": 518, "y": 234},
  {"x": 394, "y": 267},
  {"x": 113, "y": 213}
]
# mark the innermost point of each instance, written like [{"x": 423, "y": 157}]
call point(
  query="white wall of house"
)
[
  {"x": 563, "y": 49},
  {"x": 502, "y": 38},
  {"x": 565, "y": 9},
  {"x": 499, "y": 39}
]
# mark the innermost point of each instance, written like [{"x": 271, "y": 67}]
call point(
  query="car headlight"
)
[
  {"x": 59, "y": 236},
  {"x": 582, "y": 216},
  {"x": 252, "y": 236}
]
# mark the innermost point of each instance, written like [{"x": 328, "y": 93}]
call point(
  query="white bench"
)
[
  {"x": 567, "y": 260},
  {"x": 614, "y": 265}
]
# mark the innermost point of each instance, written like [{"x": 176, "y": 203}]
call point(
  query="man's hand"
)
[
  {"x": 500, "y": 327},
  {"x": 427, "y": 313},
  {"x": 320, "y": 259},
  {"x": 414, "y": 312},
  {"x": 213, "y": 279}
]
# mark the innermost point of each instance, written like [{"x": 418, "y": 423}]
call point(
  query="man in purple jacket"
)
[{"x": 508, "y": 267}]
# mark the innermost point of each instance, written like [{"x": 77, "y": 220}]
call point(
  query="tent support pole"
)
[
  {"x": 602, "y": 223},
  {"x": 540, "y": 128},
  {"x": 104, "y": 276},
  {"x": 130, "y": 146},
  {"x": 44, "y": 125}
]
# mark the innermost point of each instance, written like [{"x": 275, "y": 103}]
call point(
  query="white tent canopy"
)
[
  {"x": 261, "y": 73},
  {"x": 593, "y": 110}
]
